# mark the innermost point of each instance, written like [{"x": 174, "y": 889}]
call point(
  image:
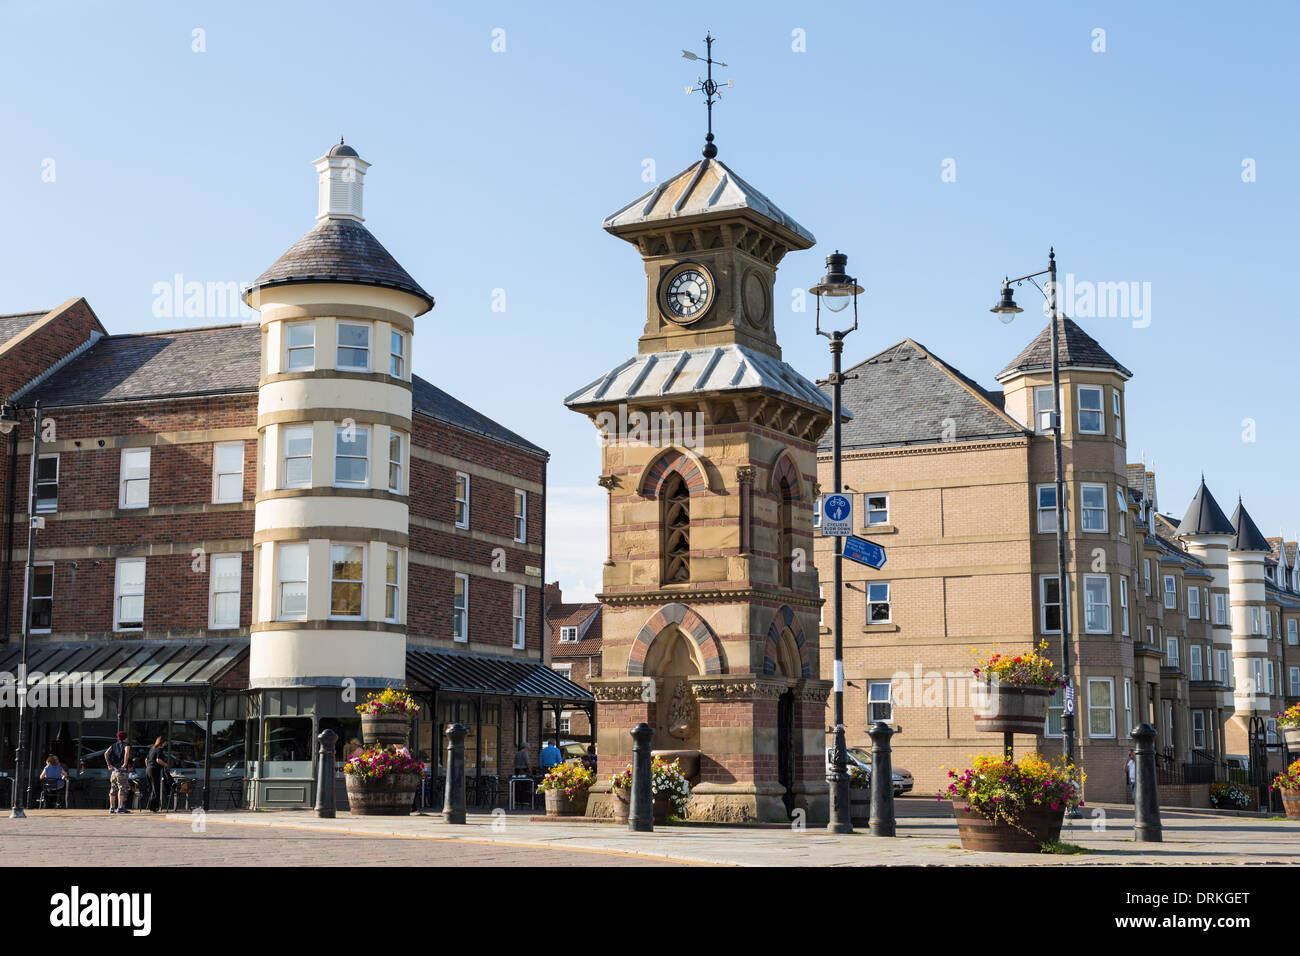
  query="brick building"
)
[
  {"x": 1170, "y": 620},
  {"x": 575, "y": 645},
  {"x": 247, "y": 527}
]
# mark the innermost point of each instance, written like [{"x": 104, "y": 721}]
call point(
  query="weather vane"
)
[{"x": 710, "y": 88}]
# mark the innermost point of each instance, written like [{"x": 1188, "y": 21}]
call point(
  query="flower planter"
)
[
  {"x": 859, "y": 806},
  {"x": 661, "y": 807},
  {"x": 560, "y": 804},
  {"x": 1010, "y": 708},
  {"x": 385, "y": 729},
  {"x": 978, "y": 832},
  {"x": 1292, "y": 737},
  {"x": 391, "y": 795},
  {"x": 622, "y": 804},
  {"x": 1291, "y": 803}
]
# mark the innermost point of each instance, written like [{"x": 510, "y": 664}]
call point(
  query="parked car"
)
[{"x": 860, "y": 757}]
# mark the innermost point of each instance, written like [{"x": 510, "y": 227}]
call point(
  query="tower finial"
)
[{"x": 710, "y": 88}]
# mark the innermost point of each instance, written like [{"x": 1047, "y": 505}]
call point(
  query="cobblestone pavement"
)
[
  {"x": 927, "y": 835},
  {"x": 143, "y": 839}
]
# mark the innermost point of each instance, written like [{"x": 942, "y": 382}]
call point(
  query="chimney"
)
[{"x": 340, "y": 172}]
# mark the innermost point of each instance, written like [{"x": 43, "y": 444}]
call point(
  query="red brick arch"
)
[
  {"x": 785, "y": 619},
  {"x": 690, "y": 624},
  {"x": 685, "y": 463},
  {"x": 784, "y": 470}
]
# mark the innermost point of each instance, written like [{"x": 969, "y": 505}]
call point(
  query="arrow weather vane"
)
[{"x": 709, "y": 88}]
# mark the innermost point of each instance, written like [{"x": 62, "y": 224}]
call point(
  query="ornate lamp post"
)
[
  {"x": 838, "y": 289},
  {"x": 8, "y": 422},
  {"x": 1006, "y": 309}
]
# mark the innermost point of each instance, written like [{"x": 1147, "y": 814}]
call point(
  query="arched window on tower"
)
[
  {"x": 785, "y": 535},
  {"x": 675, "y": 518}
]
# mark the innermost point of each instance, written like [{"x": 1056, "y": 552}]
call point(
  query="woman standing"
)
[{"x": 156, "y": 769}]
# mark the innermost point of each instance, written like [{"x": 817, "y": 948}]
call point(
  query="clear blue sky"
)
[{"x": 494, "y": 170}]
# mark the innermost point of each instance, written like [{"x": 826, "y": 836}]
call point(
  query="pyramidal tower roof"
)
[
  {"x": 1248, "y": 536},
  {"x": 1204, "y": 516},
  {"x": 1074, "y": 347},
  {"x": 704, "y": 189}
]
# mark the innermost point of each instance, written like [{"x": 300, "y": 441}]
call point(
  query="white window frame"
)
[
  {"x": 1209, "y": 663},
  {"x": 393, "y": 589},
  {"x": 1198, "y": 730},
  {"x": 1099, "y": 411},
  {"x": 1040, "y": 408},
  {"x": 1146, "y": 577},
  {"x": 1089, "y": 605},
  {"x": 1044, "y": 604},
  {"x": 1055, "y": 705},
  {"x": 1292, "y": 631},
  {"x": 1084, "y": 509},
  {"x": 519, "y": 617},
  {"x": 339, "y": 346},
  {"x": 397, "y": 357},
  {"x": 1115, "y": 406},
  {"x": 361, "y": 436},
  {"x": 868, "y": 511},
  {"x": 1108, "y": 709},
  {"x": 888, "y": 603},
  {"x": 31, "y": 602},
  {"x": 124, "y": 483},
  {"x": 1195, "y": 669},
  {"x": 885, "y": 704},
  {"x": 361, "y": 546},
  {"x": 1293, "y": 679},
  {"x": 460, "y": 615},
  {"x": 281, "y": 581},
  {"x": 1221, "y": 609},
  {"x": 1048, "y": 511},
  {"x": 118, "y": 594},
  {"x": 1128, "y": 706},
  {"x": 1151, "y": 635},
  {"x": 521, "y": 515},
  {"x": 1194, "y": 603},
  {"x": 1121, "y": 512},
  {"x": 286, "y": 432},
  {"x": 1270, "y": 674},
  {"x": 1256, "y": 621},
  {"x": 461, "y": 504},
  {"x": 1225, "y": 671},
  {"x": 290, "y": 349},
  {"x": 1172, "y": 658},
  {"x": 817, "y": 511},
  {"x": 399, "y": 439},
  {"x": 46, "y": 508},
  {"x": 1123, "y": 604},
  {"x": 1171, "y": 592},
  {"x": 213, "y": 591},
  {"x": 564, "y": 670},
  {"x": 218, "y": 474},
  {"x": 569, "y": 634}
]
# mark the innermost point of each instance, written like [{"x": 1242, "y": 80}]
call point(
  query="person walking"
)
[
  {"x": 1130, "y": 772},
  {"x": 118, "y": 758},
  {"x": 155, "y": 766}
]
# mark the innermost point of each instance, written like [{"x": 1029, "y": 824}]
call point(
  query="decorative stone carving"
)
[
  {"x": 738, "y": 688},
  {"x": 608, "y": 482},
  {"x": 613, "y": 691},
  {"x": 682, "y": 717},
  {"x": 746, "y": 474}
]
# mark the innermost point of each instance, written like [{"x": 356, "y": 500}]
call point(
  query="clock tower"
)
[{"x": 709, "y": 440}]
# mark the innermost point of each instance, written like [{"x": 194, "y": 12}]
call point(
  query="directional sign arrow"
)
[{"x": 864, "y": 552}]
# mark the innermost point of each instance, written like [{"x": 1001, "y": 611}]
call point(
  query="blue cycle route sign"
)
[
  {"x": 864, "y": 552},
  {"x": 837, "y": 515}
]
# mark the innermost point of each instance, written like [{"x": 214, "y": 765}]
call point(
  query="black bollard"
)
[
  {"x": 640, "y": 816},
  {"x": 453, "y": 806},
  {"x": 1146, "y": 800},
  {"x": 882, "y": 780},
  {"x": 325, "y": 775}
]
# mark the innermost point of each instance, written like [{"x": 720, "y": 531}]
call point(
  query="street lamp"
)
[
  {"x": 1006, "y": 309},
  {"x": 8, "y": 422},
  {"x": 837, "y": 289}
]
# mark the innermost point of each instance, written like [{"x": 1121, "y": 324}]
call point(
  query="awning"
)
[
  {"x": 478, "y": 674},
  {"x": 146, "y": 665}
]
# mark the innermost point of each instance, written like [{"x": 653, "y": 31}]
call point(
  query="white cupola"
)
[{"x": 340, "y": 172}]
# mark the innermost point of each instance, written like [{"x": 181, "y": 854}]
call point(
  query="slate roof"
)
[
  {"x": 719, "y": 368},
  {"x": 18, "y": 322},
  {"x": 1204, "y": 516},
  {"x": 1248, "y": 537},
  {"x": 339, "y": 250},
  {"x": 904, "y": 395},
  {"x": 1074, "y": 347},
  {"x": 705, "y": 187},
  {"x": 221, "y": 360}
]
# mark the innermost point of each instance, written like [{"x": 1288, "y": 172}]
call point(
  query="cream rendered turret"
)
[
  {"x": 1246, "y": 554},
  {"x": 1208, "y": 534},
  {"x": 334, "y": 417}
]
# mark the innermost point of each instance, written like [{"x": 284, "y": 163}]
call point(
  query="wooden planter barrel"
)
[
  {"x": 622, "y": 804},
  {"x": 1292, "y": 737},
  {"x": 1009, "y": 708},
  {"x": 661, "y": 808},
  {"x": 559, "y": 804},
  {"x": 978, "y": 832},
  {"x": 860, "y": 806},
  {"x": 391, "y": 795},
  {"x": 385, "y": 729},
  {"x": 1291, "y": 803}
]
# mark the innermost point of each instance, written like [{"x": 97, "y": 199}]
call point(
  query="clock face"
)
[{"x": 687, "y": 293}]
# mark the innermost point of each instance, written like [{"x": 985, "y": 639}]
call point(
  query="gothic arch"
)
[
  {"x": 690, "y": 624},
  {"x": 683, "y": 461},
  {"x": 784, "y": 470},
  {"x": 785, "y": 619}
]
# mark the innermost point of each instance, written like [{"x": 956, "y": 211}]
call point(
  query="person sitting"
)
[{"x": 54, "y": 776}]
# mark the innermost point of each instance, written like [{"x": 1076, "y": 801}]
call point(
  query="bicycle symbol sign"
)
[{"x": 837, "y": 515}]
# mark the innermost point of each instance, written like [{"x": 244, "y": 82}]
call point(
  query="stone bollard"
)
[
  {"x": 325, "y": 775},
  {"x": 882, "y": 780},
  {"x": 640, "y": 816},
  {"x": 1146, "y": 800},
  {"x": 453, "y": 805}
]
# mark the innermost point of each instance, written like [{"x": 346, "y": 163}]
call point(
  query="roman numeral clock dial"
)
[{"x": 686, "y": 293}]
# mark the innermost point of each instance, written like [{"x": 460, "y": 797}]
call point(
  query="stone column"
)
[{"x": 745, "y": 475}]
